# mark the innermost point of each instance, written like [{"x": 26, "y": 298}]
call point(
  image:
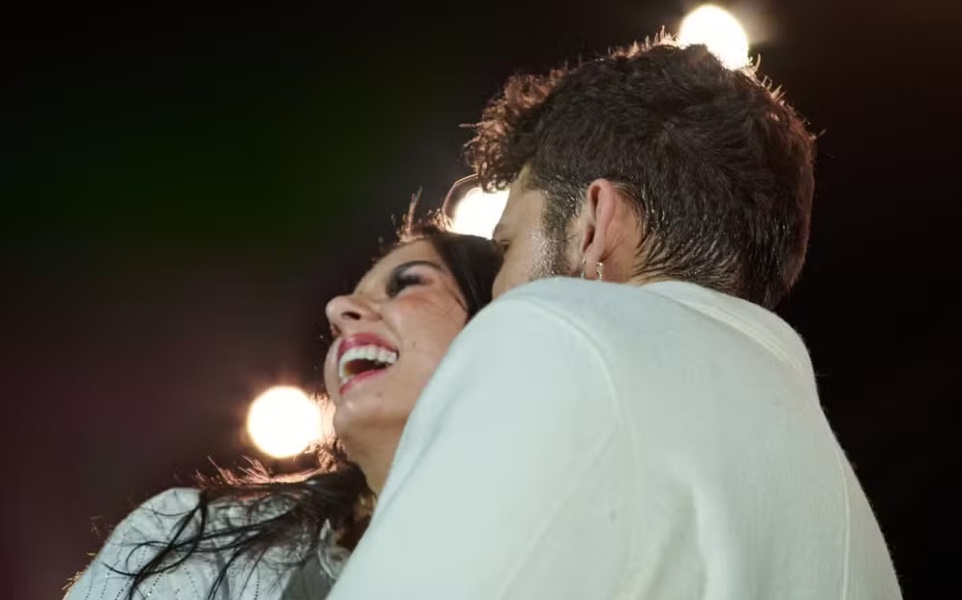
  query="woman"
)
[{"x": 249, "y": 537}]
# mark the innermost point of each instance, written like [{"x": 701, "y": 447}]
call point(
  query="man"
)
[{"x": 653, "y": 432}]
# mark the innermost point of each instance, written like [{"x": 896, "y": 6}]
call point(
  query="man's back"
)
[
  {"x": 723, "y": 417},
  {"x": 663, "y": 441}
]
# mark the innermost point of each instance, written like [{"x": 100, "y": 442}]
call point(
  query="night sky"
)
[{"x": 184, "y": 187}]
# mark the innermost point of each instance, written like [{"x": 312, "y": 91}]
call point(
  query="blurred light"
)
[
  {"x": 478, "y": 212},
  {"x": 717, "y": 29},
  {"x": 284, "y": 421}
]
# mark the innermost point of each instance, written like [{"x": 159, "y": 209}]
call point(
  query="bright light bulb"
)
[
  {"x": 284, "y": 421},
  {"x": 478, "y": 212},
  {"x": 717, "y": 29}
]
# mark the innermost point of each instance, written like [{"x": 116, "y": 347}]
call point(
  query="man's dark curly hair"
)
[{"x": 718, "y": 166}]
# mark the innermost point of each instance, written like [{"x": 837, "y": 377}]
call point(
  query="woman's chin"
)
[
  {"x": 345, "y": 424},
  {"x": 355, "y": 424}
]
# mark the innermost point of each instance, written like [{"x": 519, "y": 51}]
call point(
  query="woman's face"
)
[{"x": 390, "y": 336}]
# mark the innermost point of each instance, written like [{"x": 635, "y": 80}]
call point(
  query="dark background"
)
[{"x": 184, "y": 186}]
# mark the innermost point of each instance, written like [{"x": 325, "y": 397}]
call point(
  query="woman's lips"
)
[
  {"x": 366, "y": 347},
  {"x": 359, "y": 378},
  {"x": 361, "y": 339}
]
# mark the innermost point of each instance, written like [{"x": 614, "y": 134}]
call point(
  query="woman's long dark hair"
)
[{"x": 336, "y": 491}]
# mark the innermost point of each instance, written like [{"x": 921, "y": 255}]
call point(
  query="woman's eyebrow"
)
[
  {"x": 417, "y": 263},
  {"x": 407, "y": 265}
]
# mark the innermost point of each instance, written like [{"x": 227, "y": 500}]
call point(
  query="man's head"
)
[{"x": 658, "y": 162}]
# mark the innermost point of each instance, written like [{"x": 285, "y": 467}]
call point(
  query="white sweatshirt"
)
[{"x": 586, "y": 440}]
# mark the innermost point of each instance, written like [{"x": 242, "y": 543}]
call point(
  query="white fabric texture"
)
[
  {"x": 586, "y": 440},
  {"x": 155, "y": 522}
]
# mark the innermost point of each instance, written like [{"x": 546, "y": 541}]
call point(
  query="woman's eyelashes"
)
[{"x": 402, "y": 279}]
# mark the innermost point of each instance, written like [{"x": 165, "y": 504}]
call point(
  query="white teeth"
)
[{"x": 370, "y": 352}]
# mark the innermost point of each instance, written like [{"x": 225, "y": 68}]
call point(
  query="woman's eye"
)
[{"x": 399, "y": 281}]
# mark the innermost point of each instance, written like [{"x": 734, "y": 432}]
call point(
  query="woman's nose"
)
[{"x": 343, "y": 310}]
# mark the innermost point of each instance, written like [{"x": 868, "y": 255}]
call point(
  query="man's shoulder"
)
[
  {"x": 588, "y": 303},
  {"x": 568, "y": 295},
  {"x": 660, "y": 315},
  {"x": 557, "y": 290},
  {"x": 546, "y": 304},
  {"x": 563, "y": 315}
]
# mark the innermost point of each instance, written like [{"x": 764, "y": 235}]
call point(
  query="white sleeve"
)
[
  {"x": 510, "y": 480},
  {"x": 152, "y": 522}
]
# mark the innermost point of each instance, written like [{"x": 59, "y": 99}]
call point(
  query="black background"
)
[{"x": 184, "y": 186}]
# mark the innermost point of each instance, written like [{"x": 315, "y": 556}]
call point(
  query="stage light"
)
[
  {"x": 471, "y": 210},
  {"x": 284, "y": 421},
  {"x": 478, "y": 212},
  {"x": 717, "y": 29}
]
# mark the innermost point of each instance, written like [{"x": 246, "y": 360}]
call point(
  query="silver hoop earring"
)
[{"x": 599, "y": 270}]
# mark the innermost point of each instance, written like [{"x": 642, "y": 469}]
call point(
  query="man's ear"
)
[{"x": 597, "y": 227}]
